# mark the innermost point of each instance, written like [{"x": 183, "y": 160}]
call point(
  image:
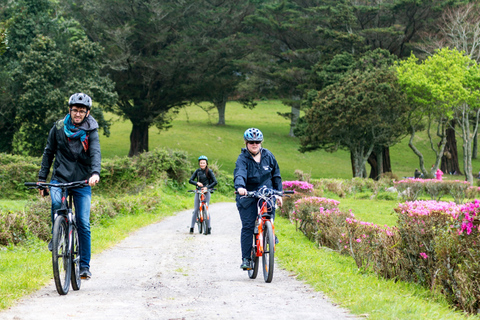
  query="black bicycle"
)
[
  {"x": 65, "y": 246},
  {"x": 202, "y": 214}
]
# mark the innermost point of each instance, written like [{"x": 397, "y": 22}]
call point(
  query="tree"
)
[
  {"x": 364, "y": 109},
  {"x": 217, "y": 40},
  {"x": 459, "y": 28},
  {"x": 445, "y": 86},
  {"x": 162, "y": 55},
  {"x": 48, "y": 59}
]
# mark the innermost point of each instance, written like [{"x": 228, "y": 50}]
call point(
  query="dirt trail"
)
[{"x": 163, "y": 272}]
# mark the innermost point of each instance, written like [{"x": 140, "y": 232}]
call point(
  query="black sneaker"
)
[
  {"x": 191, "y": 230},
  {"x": 85, "y": 274},
  {"x": 246, "y": 264},
  {"x": 209, "y": 231},
  {"x": 50, "y": 246}
]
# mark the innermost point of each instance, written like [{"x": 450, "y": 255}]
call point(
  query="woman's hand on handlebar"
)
[
  {"x": 279, "y": 201},
  {"x": 242, "y": 191}
]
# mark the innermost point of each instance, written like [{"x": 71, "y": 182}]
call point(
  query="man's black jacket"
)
[{"x": 72, "y": 162}]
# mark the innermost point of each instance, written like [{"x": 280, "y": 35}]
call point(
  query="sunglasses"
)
[{"x": 254, "y": 142}]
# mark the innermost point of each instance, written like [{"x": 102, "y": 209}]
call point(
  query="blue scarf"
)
[{"x": 73, "y": 132}]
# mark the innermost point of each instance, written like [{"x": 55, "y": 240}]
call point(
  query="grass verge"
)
[
  {"x": 365, "y": 294},
  {"x": 26, "y": 268}
]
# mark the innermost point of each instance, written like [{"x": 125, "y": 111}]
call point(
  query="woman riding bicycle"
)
[
  {"x": 205, "y": 179},
  {"x": 255, "y": 167}
]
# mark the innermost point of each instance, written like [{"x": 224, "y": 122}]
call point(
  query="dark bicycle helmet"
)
[
  {"x": 80, "y": 99},
  {"x": 253, "y": 134},
  {"x": 203, "y": 158}
]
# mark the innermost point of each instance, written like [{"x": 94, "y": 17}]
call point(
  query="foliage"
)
[
  {"x": 411, "y": 189},
  {"x": 14, "y": 171},
  {"x": 48, "y": 59},
  {"x": 441, "y": 87},
  {"x": 364, "y": 109}
]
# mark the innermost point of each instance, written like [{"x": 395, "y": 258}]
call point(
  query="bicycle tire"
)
[
  {"x": 60, "y": 262},
  {"x": 204, "y": 222},
  {"x": 75, "y": 257},
  {"x": 268, "y": 252},
  {"x": 252, "y": 273},
  {"x": 199, "y": 221}
]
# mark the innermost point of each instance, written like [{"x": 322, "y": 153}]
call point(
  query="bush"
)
[
  {"x": 306, "y": 213},
  {"x": 14, "y": 171}
]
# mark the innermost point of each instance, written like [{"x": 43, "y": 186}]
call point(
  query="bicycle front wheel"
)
[
  {"x": 268, "y": 252},
  {"x": 199, "y": 221},
  {"x": 75, "y": 257},
  {"x": 60, "y": 260},
  {"x": 252, "y": 273}
]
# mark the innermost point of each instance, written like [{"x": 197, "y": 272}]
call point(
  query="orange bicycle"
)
[
  {"x": 264, "y": 232},
  {"x": 202, "y": 214}
]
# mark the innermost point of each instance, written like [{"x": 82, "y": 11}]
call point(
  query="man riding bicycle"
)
[
  {"x": 203, "y": 178},
  {"x": 74, "y": 143},
  {"x": 255, "y": 167}
]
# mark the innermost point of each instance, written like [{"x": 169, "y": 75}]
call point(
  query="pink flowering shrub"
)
[
  {"x": 373, "y": 247},
  {"x": 307, "y": 210},
  {"x": 409, "y": 189},
  {"x": 418, "y": 223},
  {"x": 458, "y": 265},
  {"x": 298, "y": 186}
]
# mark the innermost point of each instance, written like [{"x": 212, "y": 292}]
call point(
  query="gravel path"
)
[{"x": 163, "y": 272}]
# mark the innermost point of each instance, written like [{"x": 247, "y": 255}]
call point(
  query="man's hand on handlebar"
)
[{"x": 93, "y": 180}]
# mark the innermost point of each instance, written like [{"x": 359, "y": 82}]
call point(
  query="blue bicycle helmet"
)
[
  {"x": 203, "y": 158},
  {"x": 253, "y": 134}
]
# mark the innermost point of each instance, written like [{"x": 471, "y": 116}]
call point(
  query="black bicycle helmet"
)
[{"x": 80, "y": 99}]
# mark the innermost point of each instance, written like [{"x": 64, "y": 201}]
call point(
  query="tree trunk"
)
[
  {"x": 221, "y": 105},
  {"x": 450, "y": 163},
  {"x": 475, "y": 147},
  {"x": 379, "y": 161},
  {"x": 138, "y": 139},
  {"x": 294, "y": 119},
  {"x": 419, "y": 154}
]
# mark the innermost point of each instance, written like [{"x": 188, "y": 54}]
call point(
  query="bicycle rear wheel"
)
[
  {"x": 205, "y": 217},
  {"x": 268, "y": 252},
  {"x": 252, "y": 273},
  {"x": 75, "y": 256},
  {"x": 60, "y": 260}
]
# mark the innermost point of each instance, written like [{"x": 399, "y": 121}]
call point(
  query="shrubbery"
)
[
  {"x": 122, "y": 179},
  {"x": 436, "y": 244},
  {"x": 410, "y": 189}
]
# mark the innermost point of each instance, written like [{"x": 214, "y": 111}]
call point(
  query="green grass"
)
[
  {"x": 12, "y": 204},
  {"x": 364, "y": 294},
  {"x": 196, "y": 132},
  {"x": 27, "y": 268}
]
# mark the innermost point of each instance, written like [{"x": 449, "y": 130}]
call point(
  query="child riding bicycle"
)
[{"x": 203, "y": 178}]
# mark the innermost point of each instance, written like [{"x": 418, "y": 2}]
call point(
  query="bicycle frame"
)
[{"x": 262, "y": 217}]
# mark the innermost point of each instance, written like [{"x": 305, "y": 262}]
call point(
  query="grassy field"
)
[{"x": 195, "y": 131}]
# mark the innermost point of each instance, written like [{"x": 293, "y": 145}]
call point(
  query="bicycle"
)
[
  {"x": 65, "y": 245},
  {"x": 202, "y": 214},
  {"x": 264, "y": 232}
]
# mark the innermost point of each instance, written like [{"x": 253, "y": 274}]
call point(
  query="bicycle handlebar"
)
[
  {"x": 198, "y": 190},
  {"x": 67, "y": 185},
  {"x": 266, "y": 192}
]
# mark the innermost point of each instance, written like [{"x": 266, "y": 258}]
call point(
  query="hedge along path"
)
[{"x": 163, "y": 272}]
